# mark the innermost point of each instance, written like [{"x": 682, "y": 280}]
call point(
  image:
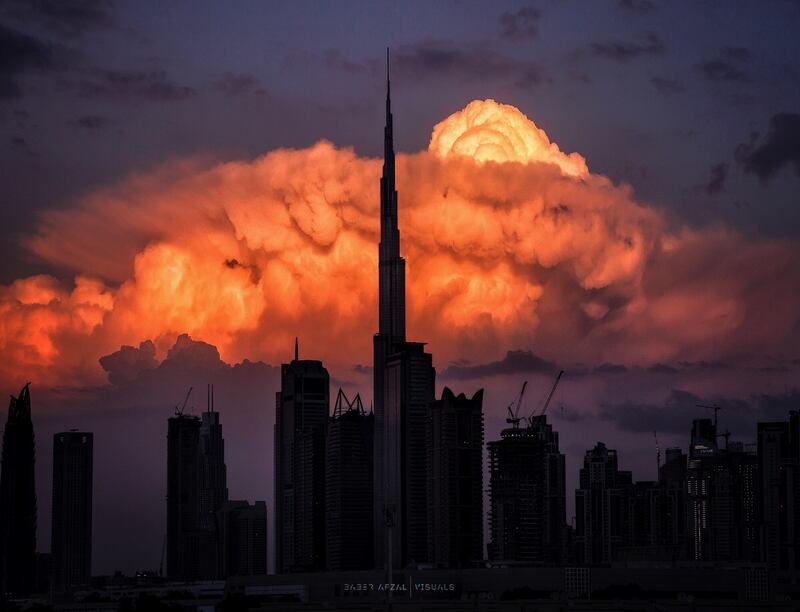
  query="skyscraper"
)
[
  {"x": 213, "y": 487},
  {"x": 72, "y": 510},
  {"x": 348, "y": 486},
  {"x": 242, "y": 538},
  {"x": 18, "y": 499},
  {"x": 779, "y": 487},
  {"x": 403, "y": 386},
  {"x": 721, "y": 498},
  {"x": 301, "y": 418},
  {"x": 183, "y": 497},
  {"x": 527, "y": 488},
  {"x": 602, "y": 507},
  {"x": 455, "y": 480},
  {"x": 213, "y": 472}
]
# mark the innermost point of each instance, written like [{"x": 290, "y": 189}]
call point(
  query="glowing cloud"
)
[
  {"x": 510, "y": 243},
  {"x": 488, "y": 131}
]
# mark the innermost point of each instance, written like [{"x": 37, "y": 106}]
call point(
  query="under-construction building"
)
[{"x": 527, "y": 495}]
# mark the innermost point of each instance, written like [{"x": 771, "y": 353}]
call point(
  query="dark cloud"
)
[
  {"x": 68, "y": 17},
  {"x": 624, "y": 51},
  {"x": 716, "y": 180},
  {"x": 667, "y": 87},
  {"x": 720, "y": 70},
  {"x": 19, "y": 54},
  {"x": 637, "y": 6},
  {"x": 520, "y": 25},
  {"x": 128, "y": 362},
  {"x": 675, "y": 415},
  {"x": 737, "y": 54},
  {"x": 515, "y": 362},
  {"x": 705, "y": 365},
  {"x": 661, "y": 368},
  {"x": 781, "y": 147},
  {"x": 436, "y": 59},
  {"x": 92, "y": 122},
  {"x": 22, "y": 146},
  {"x": 152, "y": 85},
  {"x": 610, "y": 368},
  {"x": 235, "y": 84}
]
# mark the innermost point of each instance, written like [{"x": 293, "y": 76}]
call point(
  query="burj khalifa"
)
[{"x": 403, "y": 386}]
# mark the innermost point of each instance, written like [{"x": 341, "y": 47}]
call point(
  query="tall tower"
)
[
  {"x": 602, "y": 506},
  {"x": 301, "y": 415},
  {"x": 391, "y": 267},
  {"x": 403, "y": 386},
  {"x": 455, "y": 480},
  {"x": 213, "y": 485},
  {"x": 18, "y": 499},
  {"x": 72, "y": 510},
  {"x": 183, "y": 497},
  {"x": 348, "y": 486}
]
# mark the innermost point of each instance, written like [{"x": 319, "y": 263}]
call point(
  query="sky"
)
[{"x": 604, "y": 187}]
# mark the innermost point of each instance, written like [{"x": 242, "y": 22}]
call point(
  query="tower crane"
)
[
  {"x": 513, "y": 408},
  {"x": 715, "y": 407},
  {"x": 179, "y": 411},
  {"x": 550, "y": 396}
]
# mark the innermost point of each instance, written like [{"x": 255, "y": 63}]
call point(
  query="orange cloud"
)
[{"x": 510, "y": 243}]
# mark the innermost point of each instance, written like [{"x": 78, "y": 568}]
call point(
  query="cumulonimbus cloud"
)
[{"x": 510, "y": 243}]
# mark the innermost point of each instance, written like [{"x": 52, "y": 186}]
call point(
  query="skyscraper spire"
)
[
  {"x": 392, "y": 300},
  {"x": 388, "y": 91},
  {"x": 296, "y": 349}
]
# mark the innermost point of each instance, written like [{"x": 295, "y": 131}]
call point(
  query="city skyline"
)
[{"x": 650, "y": 313}]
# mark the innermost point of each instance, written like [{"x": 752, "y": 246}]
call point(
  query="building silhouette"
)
[
  {"x": 242, "y": 538},
  {"x": 669, "y": 529},
  {"x": 602, "y": 507},
  {"x": 722, "y": 498},
  {"x": 527, "y": 488},
  {"x": 71, "y": 550},
  {"x": 183, "y": 498},
  {"x": 213, "y": 486},
  {"x": 403, "y": 386},
  {"x": 779, "y": 487},
  {"x": 455, "y": 480},
  {"x": 196, "y": 490},
  {"x": 348, "y": 486},
  {"x": 301, "y": 418},
  {"x": 18, "y": 499}
]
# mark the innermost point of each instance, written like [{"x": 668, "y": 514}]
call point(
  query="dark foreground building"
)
[
  {"x": 183, "y": 498},
  {"x": 301, "y": 417},
  {"x": 779, "y": 486},
  {"x": 722, "y": 503},
  {"x": 242, "y": 538},
  {"x": 527, "y": 489},
  {"x": 18, "y": 499},
  {"x": 348, "y": 486},
  {"x": 455, "y": 480},
  {"x": 602, "y": 507},
  {"x": 71, "y": 550}
]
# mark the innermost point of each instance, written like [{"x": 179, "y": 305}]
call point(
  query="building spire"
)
[
  {"x": 391, "y": 299},
  {"x": 388, "y": 83},
  {"x": 296, "y": 349}
]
